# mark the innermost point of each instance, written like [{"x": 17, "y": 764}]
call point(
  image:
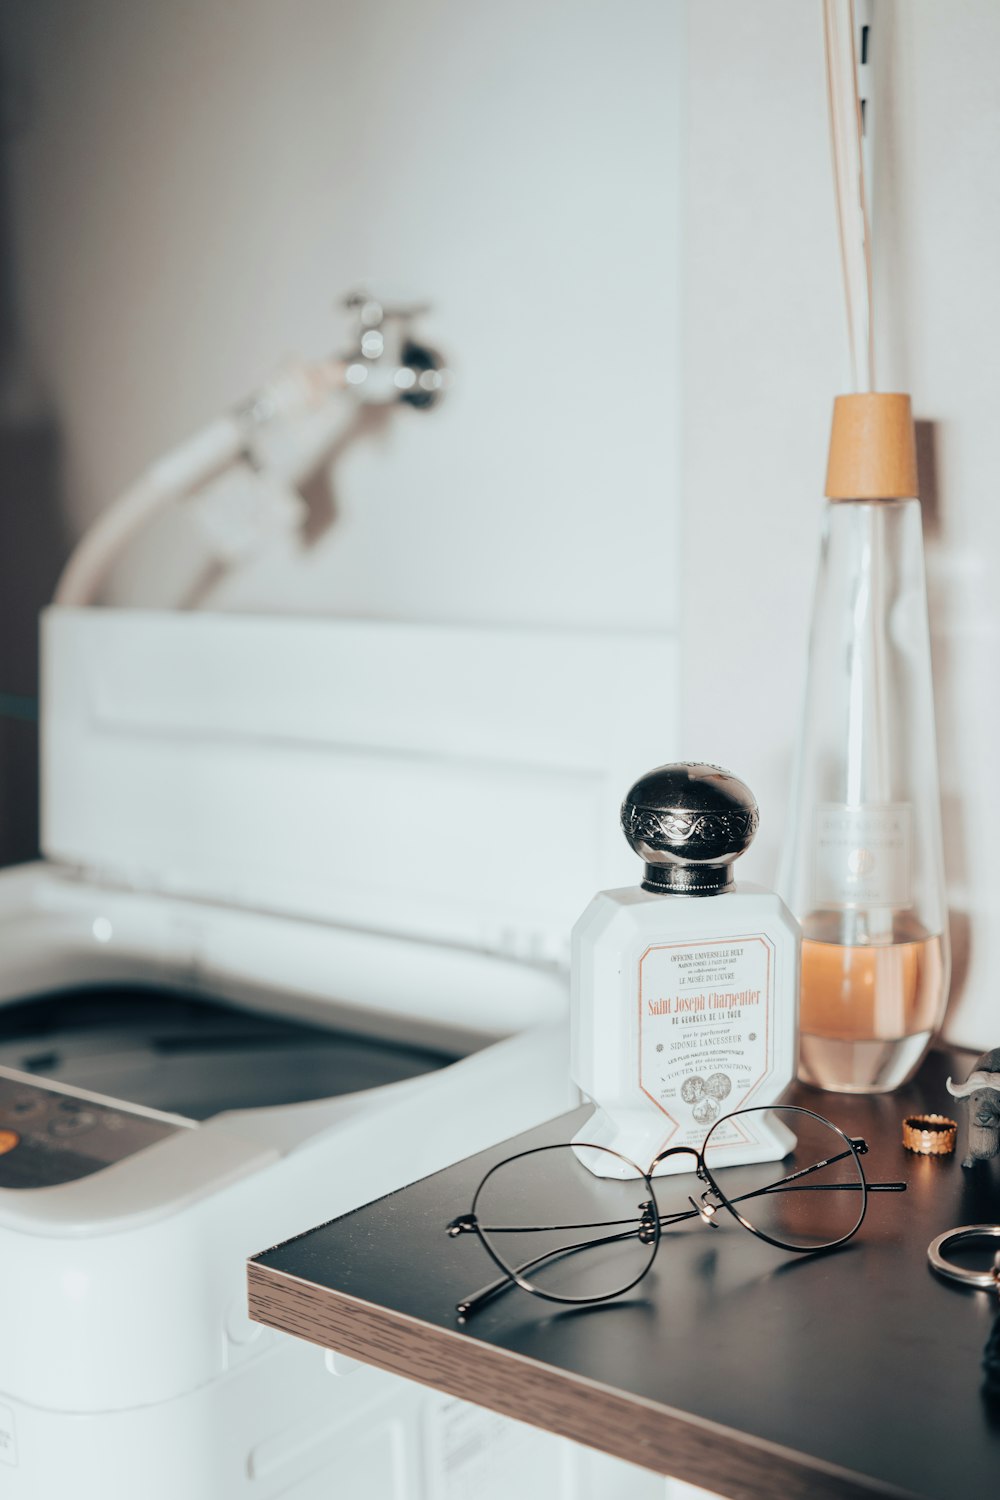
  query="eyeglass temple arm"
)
[
  {"x": 475, "y": 1300},
  {"x": 861, "y": 1147},
  {"x": 469, "y": 1304},
  {"x": 820, "y": 1187},
  {"x": 785, "y": 1184}
]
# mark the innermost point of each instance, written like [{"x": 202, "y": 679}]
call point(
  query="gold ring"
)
[{"x": 929, "y": 1135}]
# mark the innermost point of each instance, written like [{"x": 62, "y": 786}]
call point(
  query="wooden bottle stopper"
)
[{"x": 873, "y": 450}]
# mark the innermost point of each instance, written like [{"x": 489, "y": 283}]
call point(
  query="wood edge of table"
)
[{"x": 630, "y": 1427}]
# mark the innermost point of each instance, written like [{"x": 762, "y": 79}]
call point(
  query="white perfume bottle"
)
[{"x": 685, "y": 989}]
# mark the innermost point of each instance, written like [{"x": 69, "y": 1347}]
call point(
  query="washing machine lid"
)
[{"x": 458, "y": 785}]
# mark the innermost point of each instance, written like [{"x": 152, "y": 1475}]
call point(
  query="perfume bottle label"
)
[
  {"x": 862, "y": 855},
  {"x": 705, "y": 1033}
]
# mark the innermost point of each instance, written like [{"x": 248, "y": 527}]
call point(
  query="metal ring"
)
[{"x": 943, "y": 1267}]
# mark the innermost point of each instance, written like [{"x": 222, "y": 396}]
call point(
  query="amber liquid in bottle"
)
[{"x": 867, "y": 1006}]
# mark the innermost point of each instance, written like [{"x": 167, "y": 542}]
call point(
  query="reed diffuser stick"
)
[{"x": 853, "y": 220}]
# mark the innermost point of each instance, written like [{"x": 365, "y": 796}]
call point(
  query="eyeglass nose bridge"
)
[
  {"x": 679, "y": 1151},
  {"x": 705, "y": 1208}
]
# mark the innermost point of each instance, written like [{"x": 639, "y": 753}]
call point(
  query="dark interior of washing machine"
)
[{"x": 193, "y": 1056}]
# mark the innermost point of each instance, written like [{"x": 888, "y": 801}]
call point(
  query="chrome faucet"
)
[{"x": 385, "y": 362}]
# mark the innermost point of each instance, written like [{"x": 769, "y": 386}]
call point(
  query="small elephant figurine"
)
[{"x": 982, "y": 1090}]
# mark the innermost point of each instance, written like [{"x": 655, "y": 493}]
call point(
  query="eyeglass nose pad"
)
[
  {"x": 705, "y": 1212},
  {"x": 647, "y": 1224}
]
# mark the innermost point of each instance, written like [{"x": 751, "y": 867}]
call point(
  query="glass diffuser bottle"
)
[{"x": 863, "y": 866}]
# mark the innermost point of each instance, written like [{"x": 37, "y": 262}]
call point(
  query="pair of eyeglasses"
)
[{"x": 581, "y": 1223}]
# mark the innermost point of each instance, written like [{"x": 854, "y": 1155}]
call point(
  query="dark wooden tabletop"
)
[{"x": 734, "y": 1366}]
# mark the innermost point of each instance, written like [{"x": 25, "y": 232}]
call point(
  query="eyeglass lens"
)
[
  {"x": 810, "y": 1198},
  {"x": 534, "y": 1209}
]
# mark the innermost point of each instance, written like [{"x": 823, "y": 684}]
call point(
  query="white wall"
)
[
  {"x": 200, "y": 178},
  {"x": 765, "y": 352}
]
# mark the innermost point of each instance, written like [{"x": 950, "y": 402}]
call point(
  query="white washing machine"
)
[{"x": 298, "y": 938}]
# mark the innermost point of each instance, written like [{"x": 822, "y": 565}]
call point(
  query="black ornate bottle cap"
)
[{"x": 689, "y": 822}]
